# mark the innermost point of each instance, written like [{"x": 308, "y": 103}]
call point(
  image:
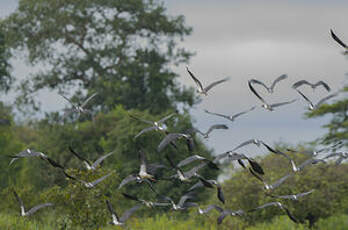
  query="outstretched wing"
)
[
  {"x": 324, "y": 84},
  {"x": 190, "y": 159},
  {"x": 211, "y": 85},
  {"x": 198, "y": 83},
  {"x": 166, "y": 118},
  {"x": 167, "y": 139},
  {"x": 217, "y": 114},
  {"x": 278, "y": 79},
  {"x": 88, "y": 99},
  {"x": 325, "y": 99},
  {"x": 19, "y": 200},
  {"x": 100, "y": 159},
  {"x": 254, "y": 81},
  {"x": 299, "y": 83},
  {"x": 333, "y": 35},
  {"x": 251, "y": 141},
  {"x": 140, "y": 119},
  {"x": 127, "y": 180},
  {"x": 128, "y": 213},
  {"x": 254, "y": 91},
  {"x": 283, "y": 103},
  {"x": 112, "y": 211},
  {"x": 97, "y": 181},
  {"x": 217, "y": 126},
  {"x": 79, "y": 156},
  {"x": 280, "y": 181},
  {"x": 306, "y": 98},
  {"x": 36, "y": 208},
  {"x": 145, "y": 130},
  {"x": 243, "y": 112}
]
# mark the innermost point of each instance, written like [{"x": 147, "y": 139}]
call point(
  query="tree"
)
[
  {"x": 338, "y": 126},
  {"x": 123, "y": 50},
  {"x": 6, "y": 79}
]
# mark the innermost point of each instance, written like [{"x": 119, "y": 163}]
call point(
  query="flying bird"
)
[
  {"x": 145, "y": 171},
  {"x": 228, "y": 212},
  {"x": 256, "y": 142},
  {"x": 265, "y": 105},
  {"x": 212, "y": 184},
  {"x": 193, "y": 158},
  {"x": 172, "y": 137},
  {"x": 279, "y": 205},
  {"x": 183, "y": 202},
  {"x": 32, "y": 210},
  {"x": 211, "y": 128},
  {"x": 231, "y": 117},
  {"x": 312, "y": 106},
  {"x": 200, "y": 88},
  {"x": 88, "y": 184},
  {"x": 293, "y": 196},
  {"x": 120, "y": 221},
  {"x": 77, "y": 107},
  {"x": 209, "y": 208},
  {"x": 315, "y": 85},
  {"x": 155, "y": 125},
  {"x": 149, "y": 204},
  {"x": 275, "y": 184},
  {"x": 333, "y": 35},
  {"x": 271, "y": 88},
  {"x": 89, "y": 165}
]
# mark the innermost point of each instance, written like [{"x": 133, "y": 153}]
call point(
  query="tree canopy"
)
[{"x": 123, "y": 50}]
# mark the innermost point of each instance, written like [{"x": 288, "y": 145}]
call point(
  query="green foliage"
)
[
  {"x": 338, "y": 126},
  {"x": 121, "y": 49},
  {"x": 327, "y": 180},
  {"x": 6, "y": 78}
]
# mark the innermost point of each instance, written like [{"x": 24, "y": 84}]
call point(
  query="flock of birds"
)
[{"x": 147, "y": 171}]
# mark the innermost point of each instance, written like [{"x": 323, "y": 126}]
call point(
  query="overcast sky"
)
[{"x": 261, "y": 40}]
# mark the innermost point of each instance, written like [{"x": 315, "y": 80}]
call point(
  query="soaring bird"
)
[
  {"x": 89, "y": 165},
  {"x": 32, "y": 210},
  {"x": 231, "y": 117},
  {"x": 78, "y": 107},
  {"x": 333, "y": 35},
  {"x": 228, "y": 212},
  {"x": 172, "y": 137},
  {"x": 209, "y": 208},
  {"x": 265, "y": 105},
  {"x": 185, "y": 176},
  {"x": 145, "y": 171},
  {"x": 293, "y": 196},
  {"x": 149, "y": 204},
  {"x": 211, "y": 128},
  {"x": 199, "y": 85},
  {"x": 120, "y": 221},
  {"x": 315, "y": 85},
  {"x": 155, "y": 125},
  {"x": 312, "y": 106},
  {"x": 279, "y": 205},
  {"x": 183, "y": 202},
  {"x": 271, "y": 88},
  {"x": 89, "y": 184}
]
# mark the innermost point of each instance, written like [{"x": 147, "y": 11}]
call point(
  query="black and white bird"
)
[
  {"x": 231, "y": 117},
  {"x": 149, "y": 204},
  {"x": 32, "y": 210},
  {"x": 155, "y": 125},
  {"x": 341, "y": 156},
  {"x": 265, "y": 105},
  {"x": 145, "y": 173},
  {"x": 209, "y": 208},
  {"x": 314, "y": 86},
  {"x": 183, "y": 202},
  {"x": 89, "y": 165},
  {"x": 233, "y": 156},
  {"x": 228, "y": 212},
  {"x": 31, "y": 153},
  {"x": 273, "y": 186},
  {"x": 271, "y": 88},
  {"x": 200, "y": 88},
  {"x": 78, "y": 108},
  {"x": 184, "y": 176},
  {"x": 173, "y": 137},
  {"x": 212, "y": 184},
  {"x": 276, "y": 204},
  {"x": 88, "y": 184},
  {"x": 339, "y": 41},
  {"x": 292, "y": 196},
  {"x": 120, "y": 220},
  {"x": 211, "y": 128},
  {"x": 312, "y": 106}
]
